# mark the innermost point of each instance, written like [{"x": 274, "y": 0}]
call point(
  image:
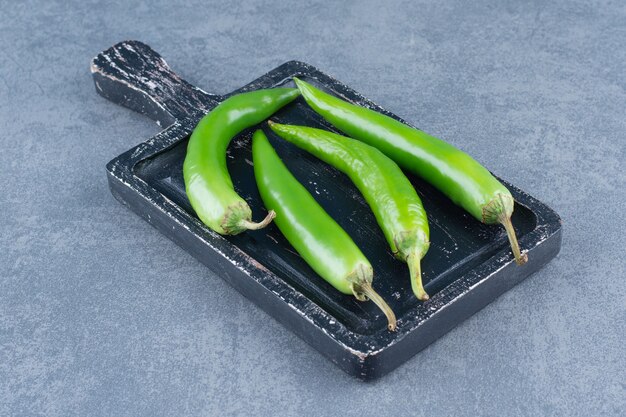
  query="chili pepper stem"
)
[
  {"x": 365, "y": 288},
  {"x": 247, "y": 224},
  {"x": 415, "y": 269},
  {"x": 520, "y": 258}
]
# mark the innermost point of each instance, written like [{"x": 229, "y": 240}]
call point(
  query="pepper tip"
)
[{"x": 299, "y": 82}]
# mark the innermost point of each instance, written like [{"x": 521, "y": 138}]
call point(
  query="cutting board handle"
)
[{"x": 133, "y": 75}]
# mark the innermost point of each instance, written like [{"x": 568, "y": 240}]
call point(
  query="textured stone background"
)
[{"x": 102, "y": 315}]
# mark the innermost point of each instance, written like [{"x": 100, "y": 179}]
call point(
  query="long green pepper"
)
[
  {"x": 460, "y": 177},
  {"x": 207, "y": 181},
  {"x": 396, "y": 205},
  {"x": 321, "y": 242}
]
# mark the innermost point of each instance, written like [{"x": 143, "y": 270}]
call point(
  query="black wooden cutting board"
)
[{"x": 468, "y": 265}]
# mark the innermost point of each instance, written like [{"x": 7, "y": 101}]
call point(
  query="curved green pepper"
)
[
  {"x": 465, "y": 181},
  {"x": 396, "y": 205},
  {"x": 207, "y": 182},
  {"x": 321, "y": 242}
]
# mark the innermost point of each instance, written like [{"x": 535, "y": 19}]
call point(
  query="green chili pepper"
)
[
  {"x": 207, "y": 182},
  {"x": 455, "y": 173},
  {"x": 321, "y": 242},
  {"x": 396, "y": 205}
]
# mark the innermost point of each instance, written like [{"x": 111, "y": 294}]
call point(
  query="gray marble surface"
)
[{"x": 101, "y": 315}]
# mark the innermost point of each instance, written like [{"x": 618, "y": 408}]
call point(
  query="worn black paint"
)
[{"x": 468, "y": 265}]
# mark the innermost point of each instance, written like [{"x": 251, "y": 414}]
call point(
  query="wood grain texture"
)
[{"x": 130, "y": 70}]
